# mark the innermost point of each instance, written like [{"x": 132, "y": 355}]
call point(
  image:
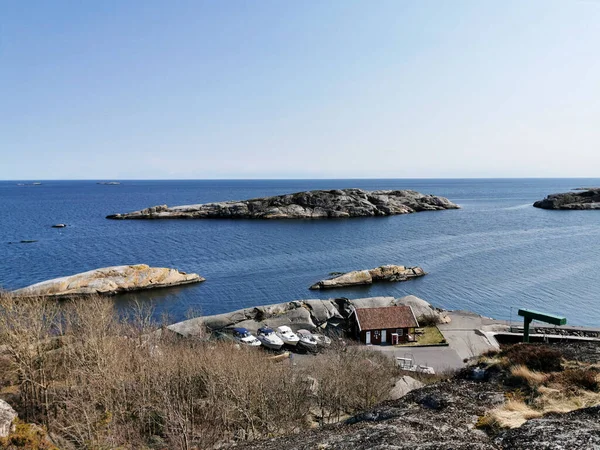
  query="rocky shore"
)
[
  {"x": 303, "y": 205},
  {"x": 308, "y": 314},
  {"x": 452, "y": 413},
  {"x": 369, "y": 276},
  {"x": 584, "y": 199},
  {"x": 110, "y": 281}
]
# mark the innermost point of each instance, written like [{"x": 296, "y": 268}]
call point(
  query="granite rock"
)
[
  {"x": 109, "y": 281},
  {"x": 303, "y": 205},
  {"x": 586, "y": 199},
  {"x": 369, "y": 276}
]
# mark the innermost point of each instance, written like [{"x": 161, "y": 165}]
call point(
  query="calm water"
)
[{"x": 496, "y": 252}]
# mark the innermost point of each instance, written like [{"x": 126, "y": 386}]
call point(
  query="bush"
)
[
  {"x": 111, "y": 383},
  {"x": 535, "y": 357},
  {"x": 427, "y": 320},
  {"x": 28, "y": 437},
  {"x": 580, "y": 378}
]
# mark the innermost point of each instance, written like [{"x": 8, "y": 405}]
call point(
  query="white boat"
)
[
  {"x": 243, "y": 336},
  {"x": 307, "y": 339},
  {"x": 286, "y": 334},
  {"x": 269, "y": 339},
  {"x": 322, "y": 340}
]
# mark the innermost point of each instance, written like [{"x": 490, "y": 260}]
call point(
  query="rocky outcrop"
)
[
  {"x": 361, "y": 277},
  {"x": 298, "y": 314},
  {"x": 7, "y": 416},
  {"x": 588, "y": 199},
  {"x": 303, "y": 205},
  {"x": 295, "y": 314},
  {"x": 403, "y": 386},
  {"x": 438, "y": 416},
  {"x": 109, "y": 281},
  {"x": 576, "y": 429}
]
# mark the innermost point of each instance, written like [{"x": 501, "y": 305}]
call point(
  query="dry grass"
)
[
  {"x": 528, "y": 376},
  {"x": 512, "y": 414},
  {"x": 557, "y": 392}
]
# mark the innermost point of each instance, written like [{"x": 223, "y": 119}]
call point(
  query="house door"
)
[
  {"x": 367, "y": 337},
  {"x": 383, "y": 336},
  {"x": 376, "y": 337}
]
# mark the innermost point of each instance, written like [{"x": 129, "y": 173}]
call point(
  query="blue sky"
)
[{"x": 309, "y": 89}]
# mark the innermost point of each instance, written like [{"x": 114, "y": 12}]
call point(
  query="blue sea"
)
[{"x": 494, "y": 255}]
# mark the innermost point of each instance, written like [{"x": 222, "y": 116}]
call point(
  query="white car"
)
[
  {"x": 243, "y": 336},
  {"x": 269, "y": 339},
  {"x": 286, "y": 334}
]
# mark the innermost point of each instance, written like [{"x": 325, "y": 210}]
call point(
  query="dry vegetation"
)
[
  {"x": 94, "y": 381},
  {"x": 541, "y": 385}
]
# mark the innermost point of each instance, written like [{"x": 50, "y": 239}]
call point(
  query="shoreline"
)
[{"x": 466, "y": 333}]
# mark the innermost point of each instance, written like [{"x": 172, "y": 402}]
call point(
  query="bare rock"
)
[
  {"x": 323, "y": 311},
  {"x": 423, "y": 309},
  {"x": 355, "y": 278},
  {"x": 576, "y": 429},
  {"x": 294, "y": 314},
  {"x": 7, "y": 416},
  {"x": 403, "y": 386},
  {"x": 109, "y": 281},
  {"x": 361, "y": 277},
  {"x": 303, "y": 205},
  {"x": 587, "y": 199}
]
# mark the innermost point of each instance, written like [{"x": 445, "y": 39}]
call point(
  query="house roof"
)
[{"x": 385, "y": 318}]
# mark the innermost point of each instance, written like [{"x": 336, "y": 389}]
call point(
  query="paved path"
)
[
  {"x": 467, "y": 334},
  {"x": 440, "y": 358}
]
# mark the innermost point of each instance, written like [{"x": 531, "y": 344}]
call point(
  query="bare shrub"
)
[
  {"x": 428, "y": 320},
  {"x": 535, "y": 357},
  {"x": 579, "y": 378},
  {"x": 96, "y": 381},
  {"x": 350, "y": 380}
]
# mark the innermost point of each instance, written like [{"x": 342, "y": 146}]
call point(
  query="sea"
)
[{"x": 493, "y": 256}]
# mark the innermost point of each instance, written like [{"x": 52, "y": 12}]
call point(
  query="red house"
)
[{"x": 386, "y": 325}]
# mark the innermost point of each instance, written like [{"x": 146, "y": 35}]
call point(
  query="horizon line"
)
[{"x": 296, "y": 179}]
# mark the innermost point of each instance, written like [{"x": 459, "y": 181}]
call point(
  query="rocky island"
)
[
  {"x": 362, "y": 277},
  {"x": 585, "y": 199},
  {"x": 110, "y": 281},
  {"x": 303, "y": 205}
]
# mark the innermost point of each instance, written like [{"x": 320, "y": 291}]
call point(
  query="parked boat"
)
[
  {"x": 307, "y": 339},
  {"x": 322, "y": 340},
  {"x": 269, "y": 339},
  {"x": 286, "y": 334},
  {"x": 243, "y": 336}
]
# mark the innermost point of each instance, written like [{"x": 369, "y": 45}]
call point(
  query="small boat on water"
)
[
  {"x": 243, "y": 336},
  {"x": 307, "y": 339},
  {"x": 268, "y": 338},
  {"x": 286, "y": 334}
]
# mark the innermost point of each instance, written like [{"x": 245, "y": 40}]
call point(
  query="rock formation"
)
[
  {"x": 303, "y": 205},
  {"x": 403, "y": 386},
  {"x": 359, "y": 277},
  {"x": 299, "y": 314},
  {"x": 588, "y": 199},
  {"x": 109, "y": 281},
  {"x": 7, "y": 416}
]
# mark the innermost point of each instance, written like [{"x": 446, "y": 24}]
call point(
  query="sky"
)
[{"x": 197, "y": 89}]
